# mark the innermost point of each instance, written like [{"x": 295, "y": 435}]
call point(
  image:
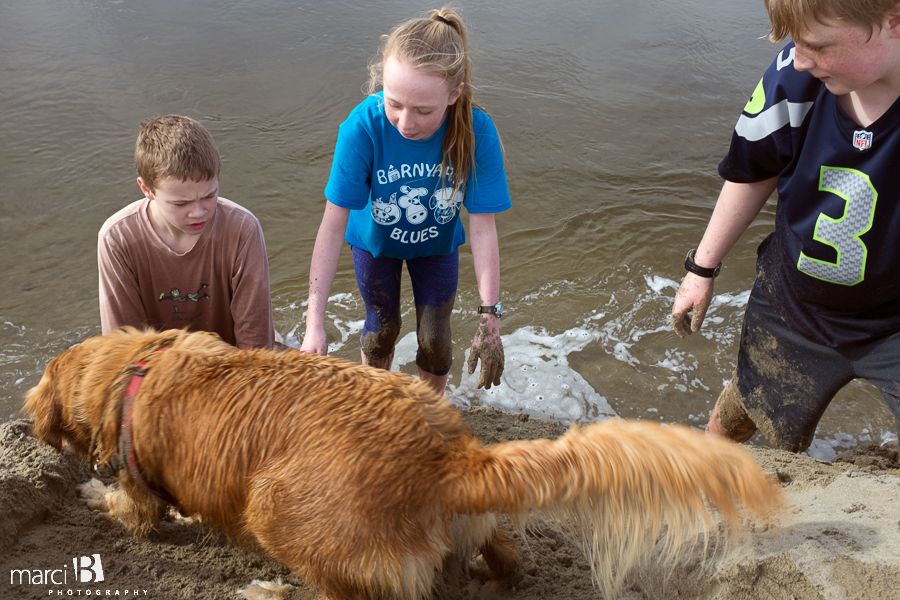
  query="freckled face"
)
[
  {"x": 844, "y": 57},
  {"x": 415, "y": 102}
]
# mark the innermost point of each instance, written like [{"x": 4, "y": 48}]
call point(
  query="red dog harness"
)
[
  {"x": 127, "y": 458},
  {"x": 126, "y": 434}
]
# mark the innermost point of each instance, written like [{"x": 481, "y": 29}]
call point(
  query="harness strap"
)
[
  {"x": 127, "y": 458},
  {"x": 113, "y": 399},
  {"x": 126, "y": 437}
]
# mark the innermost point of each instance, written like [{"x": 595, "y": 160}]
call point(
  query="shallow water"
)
[{"x": 613, "y": 119}]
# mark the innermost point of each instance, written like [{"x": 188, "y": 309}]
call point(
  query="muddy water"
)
[{"x": 613, "y": 117}]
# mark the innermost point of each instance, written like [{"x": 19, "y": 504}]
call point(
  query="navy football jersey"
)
[{"x": 832, "y": 266}]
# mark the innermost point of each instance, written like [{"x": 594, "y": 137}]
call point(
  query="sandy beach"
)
[{"x": 839, "y": 540}]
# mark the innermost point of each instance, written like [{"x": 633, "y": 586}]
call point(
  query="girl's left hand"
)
[{"x": 489, "y": 348}]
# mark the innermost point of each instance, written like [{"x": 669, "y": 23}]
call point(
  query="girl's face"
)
[
  {"x": 416, "y": 102},
  {"x": 846, "y": 58}
]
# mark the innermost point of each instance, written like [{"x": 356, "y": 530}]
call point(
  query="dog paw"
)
[
  {"x": 94, "y": 494},
  {"x": 479, "y": 569},
  {"x": 176, "y": 517},
  {"x": 265, "y": 590}
]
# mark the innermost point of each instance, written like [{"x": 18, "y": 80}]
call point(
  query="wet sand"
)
[{"x": 840, "y": 539}]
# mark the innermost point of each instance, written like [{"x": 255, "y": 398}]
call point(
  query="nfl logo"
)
[{"x": 862, "y": 140}]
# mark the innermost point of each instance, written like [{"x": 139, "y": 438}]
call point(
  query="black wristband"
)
[
  {"x": 496, "y": 310},
  {"x": 696, "y": 269}
]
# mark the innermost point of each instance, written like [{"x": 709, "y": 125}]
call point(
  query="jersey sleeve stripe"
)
[{"x": 771, "y": 120}]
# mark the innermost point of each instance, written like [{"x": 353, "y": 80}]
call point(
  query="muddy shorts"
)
[
  {"x": 434, "y": 282},
  {"x": 786, "y": 381}
]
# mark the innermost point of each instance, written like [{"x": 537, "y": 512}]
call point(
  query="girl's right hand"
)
[
  {"x": 315, "y": 342},
  {"x": 326, "y": 254}
]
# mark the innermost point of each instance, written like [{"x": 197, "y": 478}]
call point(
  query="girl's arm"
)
[
  {"x": 487, "y": 344},
  {"x": 326, "y": 254},
  {"x": 737, "y": 206}
]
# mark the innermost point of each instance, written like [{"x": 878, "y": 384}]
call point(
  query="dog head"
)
[
  {"x": 71, "y": 399},
  {"x": 48, "y": 403}
]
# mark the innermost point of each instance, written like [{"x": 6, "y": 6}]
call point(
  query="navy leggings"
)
[{"x": 434, "y": 282}]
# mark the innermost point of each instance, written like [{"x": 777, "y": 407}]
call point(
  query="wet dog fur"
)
[{"x": 364, "y": 481}]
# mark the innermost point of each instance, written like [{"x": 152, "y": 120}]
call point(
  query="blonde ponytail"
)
[{"x": 439, "y": 45}]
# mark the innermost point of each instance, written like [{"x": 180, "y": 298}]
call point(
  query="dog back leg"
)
[
  {"x": 498, "y": 549},
  {"x": 500, "y": 556}
]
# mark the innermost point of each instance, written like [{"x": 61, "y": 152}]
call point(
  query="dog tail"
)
[{"x": 621, "y": 485}]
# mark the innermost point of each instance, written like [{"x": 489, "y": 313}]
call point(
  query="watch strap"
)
[
  {"x": 494, "y": 309},
  {"x": 696, "y": 269}
]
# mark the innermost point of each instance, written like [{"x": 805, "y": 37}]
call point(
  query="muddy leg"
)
[
  {"x": 380, "y": 363},
  {"x": 728, "y": 418},
  {"x": 893, "y": 405}
]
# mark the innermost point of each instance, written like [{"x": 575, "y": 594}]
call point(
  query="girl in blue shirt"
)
[{"x": 406, "y": 159}]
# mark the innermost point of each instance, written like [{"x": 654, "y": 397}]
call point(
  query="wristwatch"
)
[
  {"x": 696, "y": 269},
  {"x": 496, "y": 309}
]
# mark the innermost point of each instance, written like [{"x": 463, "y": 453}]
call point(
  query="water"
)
[{"x": 613, "y": 117}]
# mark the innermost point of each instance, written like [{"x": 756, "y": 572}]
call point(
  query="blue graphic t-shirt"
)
[
  {"x": 832, "y": 267},
  {"x": 400, "y": 204}
]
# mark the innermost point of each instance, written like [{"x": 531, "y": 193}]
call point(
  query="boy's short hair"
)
[
  {"x": 175, "y": 147},
  {"x": 788, "y": 16}
]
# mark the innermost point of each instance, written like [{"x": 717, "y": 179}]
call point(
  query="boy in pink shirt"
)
[{"x": 182, "y": 257}]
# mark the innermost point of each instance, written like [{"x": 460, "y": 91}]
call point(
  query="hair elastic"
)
[{"x": 441, "y": 19}]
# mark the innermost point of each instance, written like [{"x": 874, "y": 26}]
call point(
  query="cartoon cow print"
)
[
  {"x": 415, "y": 212},
  {"x": 445, "y": 202},
  {"x": 386, "y": 213}
]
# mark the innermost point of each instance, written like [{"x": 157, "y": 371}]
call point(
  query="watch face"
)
[{"x": 496, "y": 309}]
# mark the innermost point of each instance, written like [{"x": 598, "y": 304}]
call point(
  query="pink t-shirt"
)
[{"x": 219, "y": 285}]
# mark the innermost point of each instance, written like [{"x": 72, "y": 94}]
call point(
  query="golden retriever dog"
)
[{"x": 366, "y": 482}]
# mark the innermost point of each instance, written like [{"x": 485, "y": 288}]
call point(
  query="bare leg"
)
[
  {"x": 729, "y": 419},
  {"x": 437, "y": 382}
]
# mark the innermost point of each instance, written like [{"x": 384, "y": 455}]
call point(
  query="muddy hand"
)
[
  {"x": 693, "y": 297},
  {"x": 489, "y": 348}
]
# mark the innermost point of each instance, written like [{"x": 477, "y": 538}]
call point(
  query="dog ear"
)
[{"x": 44, "y": 405}]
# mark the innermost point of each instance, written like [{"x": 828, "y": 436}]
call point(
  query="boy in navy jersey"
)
[{"x": 823, "y": 128}]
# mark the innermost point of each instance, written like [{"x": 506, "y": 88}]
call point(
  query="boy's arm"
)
[
  {"x": 322, "y": 269},
  {"x": 251, "y": 302},
  {"x": 120, "y": 297},
  {"x": 486, "y": 255},
  {"x": 737, "y": 206}
]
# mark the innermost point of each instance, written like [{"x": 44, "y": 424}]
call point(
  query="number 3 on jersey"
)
[{"x": 843, "y": 234}]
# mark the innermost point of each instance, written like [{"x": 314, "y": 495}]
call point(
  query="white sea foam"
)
[
  {"x": 658, "y": 284},
  {"x": 626, "y": 325},
  {"x": 538, "y": 379},
  {"x": 826, "y": 449},
  {"x": 339, "y": 304}
]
